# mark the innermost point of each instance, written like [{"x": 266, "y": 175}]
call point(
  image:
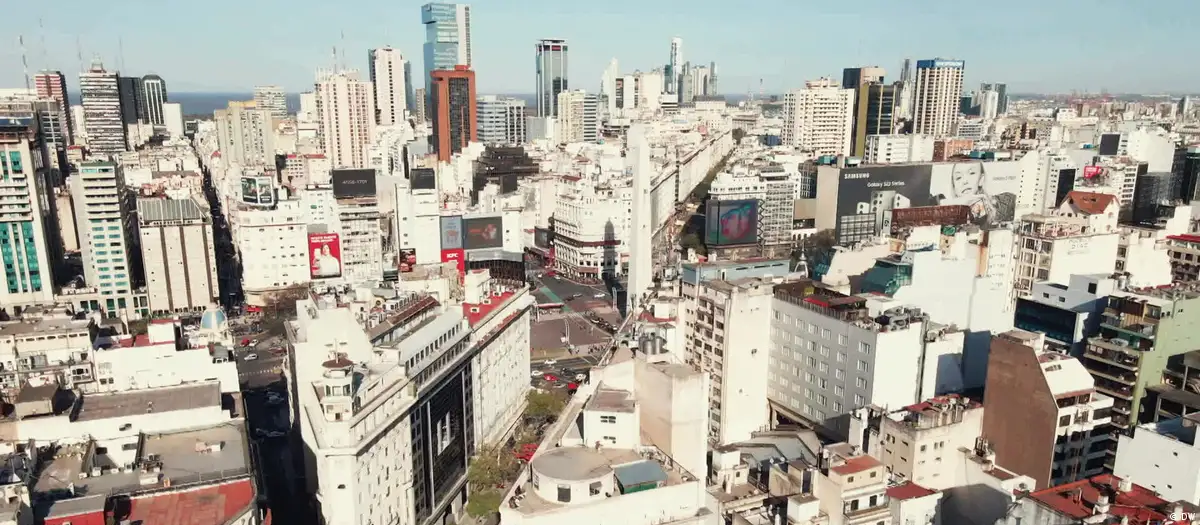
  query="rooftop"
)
[
  {"x": 169, "y": 210},
  {"x": 478, "y": 312},
  {"x": 1078, "y": 500},
  {"x": 169, "y": 399},
  {"x": 610, "y": 400},
  {"x": 1181, "y": 429},
  {"x": 908, "y": 490},
  {"x": 855, "y": 465},
  {"x": 202, "y": 506},
  {"x": 1091, "y": 203},
  {"x": 1163, "y": 294}
]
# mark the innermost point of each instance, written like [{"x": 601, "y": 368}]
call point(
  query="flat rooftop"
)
[
  {"x": 157, "y": 400},
  {"x": 611, "y": 400}
]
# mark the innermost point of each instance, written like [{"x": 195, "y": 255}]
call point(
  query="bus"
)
[{"x": 550, "y": 307}]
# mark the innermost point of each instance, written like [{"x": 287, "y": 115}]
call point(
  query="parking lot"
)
[{"x": 558, "y": 374}]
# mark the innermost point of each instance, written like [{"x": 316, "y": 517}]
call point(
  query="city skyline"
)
[{"x": 139, "y": 42}]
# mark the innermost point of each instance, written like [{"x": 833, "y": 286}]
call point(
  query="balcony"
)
[{"x": 1112, "y": 353}]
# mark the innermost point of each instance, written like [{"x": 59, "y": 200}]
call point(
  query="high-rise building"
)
[
  {"x": 936, "y": 97},
  {"x": 102, "y": 110},
  {"x": 608, "y": 85},
  {"x": 177, "y": 255},
  {"x": 155, "y": 90},
  {"x": 101, "y": 209},
  {"x": 271, "y": 98},
  {"x": 419, "y": 104},
  {"x": 579, "y": 116},
  {"x": 501, "y": 120},
  {"x": 27, "y": 237},
  {"x": 346, "y": 114},
  {"x": 551, "y": 74},
  {"x": 447, "y": 38},
  {"x": 133, "y": 99},
  {"x": 1002, "y": 96},
  {"x": 387, "y": 68},
  {"x": 819, "y": 118},
  {"x": 875, "y": 107},
  {"x": 246, "y": 134},
  {"x": 53, "y": 85},
  {"x": 674, "y": 65},
  {"x": 454, "y": 111},
  {"x": 853, "y": 77},
  {"x": 989, "y": 104},
  {"x": 641, "y": 247}
]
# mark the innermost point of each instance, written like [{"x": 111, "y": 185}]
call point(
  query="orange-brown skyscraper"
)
[{"x": 453, "y": 110}]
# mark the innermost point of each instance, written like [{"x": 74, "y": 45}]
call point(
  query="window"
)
[
  {"x": 825, "y": 333},
  {"x": 608, "y": 419},
  {"x": 859, "y": 401},
  {"x": 564, "y": 493},
  {"x": 842, "y": 339},
  {"x": 1064, "y": 421},
  {"x": 860, "y": 382},
  {"x": 864, "y": 347},
  {"x": 862, "y": 365},
  {"x": 594, "y": 489}
]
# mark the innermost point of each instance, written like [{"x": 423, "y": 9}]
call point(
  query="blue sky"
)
[{"x": 231, "y": 45}]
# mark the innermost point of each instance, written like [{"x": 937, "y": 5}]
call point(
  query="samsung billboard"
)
[
  {"x": 731, "y": 223},
  {"x": 867, "y": 196},
  {"x": 353, "y": 183}
]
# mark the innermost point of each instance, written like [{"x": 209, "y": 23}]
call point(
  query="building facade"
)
[
  {"x": 27, "y": 234},
  {"x": 155, "y": 91},
  {"x": 819, "y": 118},
  {"x": 389, "y": 75},
  {"x": 937, "y": 92},
  {"x": 53, "y": 85},
  {"x": 346, "y": 113},
  {"x": 105, "y": 235},
  {"x": 177, "y": 255},
  {"x": 273, "y": 99},
  {"x": 501, "y": 120},
  {"x": 447, "y": 38},
  {"x": 101, "y": 100},
  {"x": 454, "y": 111},
  {"x": 551, "y": 75}
]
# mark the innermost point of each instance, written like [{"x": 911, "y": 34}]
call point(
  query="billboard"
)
[
  {"x": 542, "y": 238},
  {"x": 408, "y": 259},
  {"x": 483, "y": 232},
  {"x": 955, "y": 214},
  {"x": 867, "y": 195},
  {"x": 258, "y": 190},
  {"x": 422, "y": 179},
  {"x": 731, "y": 222},
  {"x": 1091, "y": 172},
  {"x": 324, "y": 255},
  {"x": 352, "y": 183},
  {"x": 452, "y": 233},
  {"x": 458, "y": 257}
]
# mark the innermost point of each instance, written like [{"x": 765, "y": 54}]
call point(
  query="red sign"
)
[
  {"x": 1092, "y": 171},
  {"x": 458, "y": 256},
  {"x": 324, "y": 255}
]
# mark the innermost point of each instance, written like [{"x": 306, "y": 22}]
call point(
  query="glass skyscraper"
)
[
  {"x": 551, "y": 75},
  {"x": 447, "y": 37}
]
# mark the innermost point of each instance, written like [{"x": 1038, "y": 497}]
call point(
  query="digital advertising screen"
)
[
  {"x": 423, "y": 179},
  {"x": 452, "y": 233},
  {"x": 482, "y": 232},
  {"x": 731, "y": 222},
  {"x": 324, "y": 255},
  {"x": 352, "y": 183},
  {"x": 266, "y": 191},
  {"x": 250, "y": 190},
  {"x": 408, "y": 259}
]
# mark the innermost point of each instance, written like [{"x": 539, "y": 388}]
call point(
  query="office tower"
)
[
  {"x": 53, "y": 85},
  {"x": 98, "y": 192},
  {"x": 501, "y": 120},
  {"x": 346, "y": 117},
  {"x": 28, "y": 239},
  {"x": 608, "y": 85},
  {"x": 853, "y": 77},
  {"x": 626, "y": 92},
  {"x": 674, "y": 63},
  {"x": 271, "y": 98},
  {"x": 1186, "y": 167},
  {"x": 102, "y": 110},
  {"x": 154, "y": 89},
  {"x": 246, "y": 134},
  {"x": 551, "y": 75},
  {"x": 176, "y": 238},
  {"x": 453, "y": 111},
  {"x": 989, "y": 104},
  {"x": 904, "y": 106},
  {"x": 173, "y": 119},
  {"x": 819, "y": 118},
  {"x": 1152, "y": 190},
  {"x": 937, "y": 89},
  {"x": 386, "y": 68},
  {"x": 641, "y": 247},
  {"x": 1001, "y": 95},
  {"x": 409, "y": 94},
  {"x": 875, "y": 113},
  {"x": 447, "y": 38},
  {"x": 579, "y": 116},
  {"x": 711, "y": 90},
  {"x": 47, "y": 117},
  {"x": 133, "y": 99},
  {"x": 1184, "y": 107},
  {"x": 419, "y": 104}
]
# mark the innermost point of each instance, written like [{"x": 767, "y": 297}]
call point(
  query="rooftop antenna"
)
[
  {"x": 79, "y": 52},
  {"x": 342, "y": 62},
  {"x": 42, "y": 36},
  {"x": 24, "y": 61},
  {"x": 120, "y": 54}
]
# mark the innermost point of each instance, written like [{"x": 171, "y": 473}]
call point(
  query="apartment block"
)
[{"x": 919, "y": 443}]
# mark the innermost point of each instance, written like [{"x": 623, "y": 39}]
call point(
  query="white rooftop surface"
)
[{"x": 1065, "y": 375}]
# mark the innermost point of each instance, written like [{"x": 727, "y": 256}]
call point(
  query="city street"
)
[{"x": 268, "y": 426}]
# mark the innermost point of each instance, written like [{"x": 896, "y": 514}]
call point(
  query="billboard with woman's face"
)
[{"x": 324, "y": 255}]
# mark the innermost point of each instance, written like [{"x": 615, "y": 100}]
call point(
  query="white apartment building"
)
[
  {"x": 578, "y": 116},
  {"x": 1082, "y": 238},
  {"x": 592, "y": 229},
  {"x": 387, "y": 401},
  {"x": 937, "y": 91},
  {"x": 418, "y": 212},
  {"x": 101, "y": 108},
  {"x": 920, "y": 443},
  {"x": 362, "y": 240},
  {"x": 99, "y": 195},
  {"x": 177, "y": 255},
  {"x": 897, "y": 149},
  {"x": 273, "y": 99},
  {"x": 389, "y": 75},
  {"x": 307, "y": 168},
  {"x": 154, "y": 92},
  {"x": 246, "y": 134},
  {"x": 501, "y": 120},
  {"x": 852, "y": 488},
  {"x": 346, "y": 114},
  {"x": 775, "y": 191},
  {"x": 272, "y": 247},
  {"x": 628, "y": 450},
  {"x": 25, "y": 221},
  {"x": 173, "y": 119},
  {"x": 819, "y": 118},
  {"x": 727, "y": 337},
  {"x": 1163, "y": 456},
  {"x": 828, "y": 355}
]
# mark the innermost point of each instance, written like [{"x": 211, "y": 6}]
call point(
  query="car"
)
[
  {"x": 550, "y": 378},
  {"x": 263, "y": 433},
  {"x": 580, "y": 377},
  {"x": 535, "y": 373},
  {"x": 574, "y": 296},
  {"x": 549, "y": 362},
  {"x": 600, "y": 296},
  {"x": 250, "y": 357}
]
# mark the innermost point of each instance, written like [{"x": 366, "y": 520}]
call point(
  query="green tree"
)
[
  {"x": 738, "y": 133},
  {"x": 545, "y": 405},
  {"x": 492, "y": 465},
  {"x": 484, "y": 504}
]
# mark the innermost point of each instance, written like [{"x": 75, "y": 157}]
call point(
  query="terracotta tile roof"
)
[
  {"x": 1078, "y": 500},
  {"x": 856, "y": 464},
  {"x": 908, "y": 490},
  {"x": 1091, "y": 203}
]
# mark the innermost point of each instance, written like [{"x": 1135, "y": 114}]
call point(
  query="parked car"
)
[
  {"x": 549, "y": 362},
  {"x": 250, "y": 357}
]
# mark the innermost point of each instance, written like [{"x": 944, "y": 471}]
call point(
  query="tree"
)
[
  {"x": 545, "y": 405},
  {"x": 738, "y": 133},
  {"x": 492, "y": 465},
  {"x": 483, "y": 504}
]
